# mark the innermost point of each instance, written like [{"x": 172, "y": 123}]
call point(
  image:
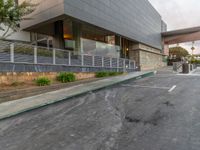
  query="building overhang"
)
[
  {"x": 182, "y": 35},
  {"x": 181, "y": 31}
]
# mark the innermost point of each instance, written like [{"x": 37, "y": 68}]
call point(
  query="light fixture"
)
[{"x": 192, "y": 48}]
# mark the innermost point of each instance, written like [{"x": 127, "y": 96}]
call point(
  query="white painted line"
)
[
  {"x": 197, "y": 75},
  {"x": 170, "y": 89},
  {"x": 173, "y": 87},
  {"x": 143, "y": 86}
]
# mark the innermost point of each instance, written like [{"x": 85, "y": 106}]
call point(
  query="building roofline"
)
[
  {"x": 154, "y": 8},
  {"x": 181, "y": 31}
]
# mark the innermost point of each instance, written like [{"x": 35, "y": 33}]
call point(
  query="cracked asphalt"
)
[{"x": 122, "y": 117}]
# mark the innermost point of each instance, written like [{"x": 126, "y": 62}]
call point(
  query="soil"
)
[{"x": 22, "y": 90}]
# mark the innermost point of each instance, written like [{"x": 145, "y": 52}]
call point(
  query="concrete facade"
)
[
  {"x": 150, "y": 61},
  {"x": 147, "y": 58},
  {"x": 134, "y": 19}
]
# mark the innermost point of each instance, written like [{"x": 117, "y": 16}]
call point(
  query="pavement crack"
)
[
  {"x": 116, "y": 110},
  {"x": 168, "y": 103},
  {"x": 154, "y": 119},
  {"x": 132, "y": 120}
]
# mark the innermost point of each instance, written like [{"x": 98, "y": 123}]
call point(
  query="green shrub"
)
[
  {"x": 102, "y": 74},
  {"x": 43, "y": 81},
  {"x": 106, "y": 74},
  {"x": 115, "y": 73},
  {"x": 65, "y": 77},
  {"x": 195, "y": 61}
]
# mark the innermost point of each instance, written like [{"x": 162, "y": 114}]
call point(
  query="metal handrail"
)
[{"x": 26, "y": 53}]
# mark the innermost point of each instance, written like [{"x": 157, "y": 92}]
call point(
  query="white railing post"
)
[
  {"x": 117, "y": 64},
  {"x": 102, "y": 61},
  {"x": 82, "y": 60},
  {"x": 129, "y": 64},
  {"x": 69, "y": 58},
  {"x": 93, "y": 61},
  {"x": 35, "y": 54},
  {"x": 124, "y": 65},
  {"x": 110, "y": 62},
  {"x": 134, "y": 64},
  {"x": 54, "y": 56},
  {"x": 12, "y": 47}
]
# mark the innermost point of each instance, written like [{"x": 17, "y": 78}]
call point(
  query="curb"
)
[{"x": 2, "y": 117}]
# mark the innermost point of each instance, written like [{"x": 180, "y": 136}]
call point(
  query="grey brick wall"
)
[{"x": 135, "y": 19}]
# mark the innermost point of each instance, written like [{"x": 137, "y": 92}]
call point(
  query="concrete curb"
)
[{"x": 13, "y": 108}]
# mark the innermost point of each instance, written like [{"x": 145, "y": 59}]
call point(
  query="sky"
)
[{"x": 180, "y": 14}]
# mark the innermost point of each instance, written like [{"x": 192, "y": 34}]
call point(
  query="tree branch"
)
[{"x": 4, "y": 35}]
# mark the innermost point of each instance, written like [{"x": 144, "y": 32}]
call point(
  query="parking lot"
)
[{"x": 161, "y": 112}]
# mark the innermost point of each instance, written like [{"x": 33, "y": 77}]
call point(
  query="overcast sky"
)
[{"x": 180, "y": 14}]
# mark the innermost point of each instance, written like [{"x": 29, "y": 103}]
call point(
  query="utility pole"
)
[{"x": 193, "y": 48}]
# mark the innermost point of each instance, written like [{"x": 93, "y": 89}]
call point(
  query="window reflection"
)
[{"x": 92, "y": 47}]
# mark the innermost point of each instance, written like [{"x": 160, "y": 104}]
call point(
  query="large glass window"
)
[
  {"x": 84, "y": 38},
  {"x": 92, "y": 47},
  {"x": 96, "y": 41},
  {"x": 69, "y": 42}
]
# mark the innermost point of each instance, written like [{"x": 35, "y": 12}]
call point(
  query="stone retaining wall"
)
[
  {"x": 12, "y": 77},
  {"x": 151, "y": 61}
]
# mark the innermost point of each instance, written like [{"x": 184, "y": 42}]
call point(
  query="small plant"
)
[
  {"x": 106, "y": 74},
  {"x": 102, "y": 74},
  {"x": 43, "y": 81},
  {"x": 115, "y": 73},
  {"x": 65, "y": 77}
]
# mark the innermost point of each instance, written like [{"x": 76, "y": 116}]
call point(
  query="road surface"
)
[{"x": 156, "y": 113}]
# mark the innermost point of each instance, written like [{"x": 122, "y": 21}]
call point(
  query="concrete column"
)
[
  {"x": 77, "y": 34},
  {"x": 58, "y": 40},
  {"x": 118, "y": 42}
]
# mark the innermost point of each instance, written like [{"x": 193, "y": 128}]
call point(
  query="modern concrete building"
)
[{"x": 116, "y": 28}]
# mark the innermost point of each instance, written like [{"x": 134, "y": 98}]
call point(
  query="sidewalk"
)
[{"x": 12, "y": 108}]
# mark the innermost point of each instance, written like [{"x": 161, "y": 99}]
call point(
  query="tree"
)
[
  {"x": 178, "y": 51},
  {"x": 11, "y": 14}
]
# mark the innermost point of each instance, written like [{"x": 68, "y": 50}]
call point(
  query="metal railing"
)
[
  {"x": 25, "y": 53},
  {"x": 178, "y": 66}
]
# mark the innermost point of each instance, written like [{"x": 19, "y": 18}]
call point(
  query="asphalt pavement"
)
[{"x": 155, "y": 113}]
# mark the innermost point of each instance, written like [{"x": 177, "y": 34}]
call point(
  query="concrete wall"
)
[
  {"x": 135, "y": 55},
  {"x": 13, "y": 77},
  {"x": 149, "y": 61},
  {"x": 135, "y": 19}
]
